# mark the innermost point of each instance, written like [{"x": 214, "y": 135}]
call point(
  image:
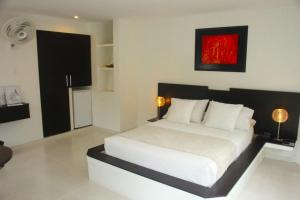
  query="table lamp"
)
[
  {"x": 160, "y": 101},
  {"x": 279, "y": 115}
]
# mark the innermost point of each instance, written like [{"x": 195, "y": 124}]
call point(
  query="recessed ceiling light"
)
[{"x": 76, "y": 17}]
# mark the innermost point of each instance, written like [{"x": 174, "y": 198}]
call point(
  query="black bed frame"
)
[
  {"x": 220, "y": 189},
  {"x": 263, "y": 102}
]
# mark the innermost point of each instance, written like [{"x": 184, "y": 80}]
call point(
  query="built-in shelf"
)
[
  {"x": 105, "y": 45},
  {"x": 13, "y": 113},
  {"x": 104, "y": 62}
]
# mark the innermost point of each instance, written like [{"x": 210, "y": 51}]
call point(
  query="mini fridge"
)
[{"x": 82, "y": 102}]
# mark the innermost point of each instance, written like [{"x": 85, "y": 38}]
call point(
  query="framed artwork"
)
[
  {"x": 13, "y": 95},
  {"x": 221, "y": 49}
]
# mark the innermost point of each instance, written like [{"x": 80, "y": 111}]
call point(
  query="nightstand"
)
[
  {"x": 277, "y": 146},
  {"x": 284, "y": 145},
  {"x": 153, "y": 119},
  {"x": 279, "y": 150}
]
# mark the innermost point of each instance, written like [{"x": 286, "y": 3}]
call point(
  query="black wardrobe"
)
[{"x": 64, "y": 61}]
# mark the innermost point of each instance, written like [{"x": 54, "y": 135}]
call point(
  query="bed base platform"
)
[{"x": 139, "y": 183}]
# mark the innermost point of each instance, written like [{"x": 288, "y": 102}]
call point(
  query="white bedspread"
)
[{"x": 182, "y": 161}]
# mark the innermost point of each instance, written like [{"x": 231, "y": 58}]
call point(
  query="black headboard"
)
[{"x": 262, "y": 101}]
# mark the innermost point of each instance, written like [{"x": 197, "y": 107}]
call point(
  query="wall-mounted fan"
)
[{"x": 18, "y": 30}]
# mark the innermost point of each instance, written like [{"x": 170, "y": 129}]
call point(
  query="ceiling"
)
[{"x": 95, "y": 10}]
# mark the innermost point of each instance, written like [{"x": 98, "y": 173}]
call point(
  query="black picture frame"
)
[{"x": 242, "y": 31}]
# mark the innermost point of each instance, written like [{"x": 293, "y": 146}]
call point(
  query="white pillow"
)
[
  {"x": 198, "y": 110},
  {"x": 244, "y": 120},
  {"x": 252, "y": 123},
  {"x": 180, "y": 110},
  {"x": 222, "y": 115}
]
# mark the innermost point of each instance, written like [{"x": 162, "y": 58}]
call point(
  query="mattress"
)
[{"x": 188, "y": 166}]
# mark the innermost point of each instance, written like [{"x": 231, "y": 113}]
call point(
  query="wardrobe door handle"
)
[
  {"x": 67, "y": 81},
  {"x": 70, "y": 80}
]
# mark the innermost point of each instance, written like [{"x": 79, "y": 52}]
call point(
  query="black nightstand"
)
[{"x": 153, "y": 119}]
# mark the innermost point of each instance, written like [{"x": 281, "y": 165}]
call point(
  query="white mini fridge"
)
[{"x": 82, "y": 102}]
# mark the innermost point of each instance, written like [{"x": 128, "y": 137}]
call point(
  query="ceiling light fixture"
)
[{"x": 76, "y": 17}]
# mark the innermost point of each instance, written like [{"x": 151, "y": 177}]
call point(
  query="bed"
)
[
  {"x": 140, "y": 167},
  {"x": 162, "y": 153}
]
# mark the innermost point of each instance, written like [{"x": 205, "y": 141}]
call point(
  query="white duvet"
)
[{"x": 181, "y": 163}]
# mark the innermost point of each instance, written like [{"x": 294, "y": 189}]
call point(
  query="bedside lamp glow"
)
[
  {"x": 160, "y": 101},
  {"x": 279, "y": 115}
]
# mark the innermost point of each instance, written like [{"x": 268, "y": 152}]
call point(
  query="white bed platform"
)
[{"x": 136, "y": 187}]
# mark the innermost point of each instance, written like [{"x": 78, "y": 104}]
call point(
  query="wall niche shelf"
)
[
  {"x": 14, "y": 113},
  {"x": 104, "y": 57}
]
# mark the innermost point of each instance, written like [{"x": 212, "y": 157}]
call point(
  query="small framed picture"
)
[
  {"x": 13, "y": 95},
  {"x": 2, "y": 96}
]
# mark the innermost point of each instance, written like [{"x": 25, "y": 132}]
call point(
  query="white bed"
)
[{"x": 192, "y": 167}]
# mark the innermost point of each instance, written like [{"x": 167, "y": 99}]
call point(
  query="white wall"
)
[
  {"x": 106, "y": 105},
  {"x": 127, "y": 76},
  {"x": 162, "y": 50},
  {"x": 18, "y": 66}
]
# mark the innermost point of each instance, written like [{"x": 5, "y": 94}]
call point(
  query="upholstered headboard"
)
[{"x": 262, "y": 101}]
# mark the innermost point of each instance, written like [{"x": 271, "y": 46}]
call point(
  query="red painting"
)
[{"x": 220, "y": 49}]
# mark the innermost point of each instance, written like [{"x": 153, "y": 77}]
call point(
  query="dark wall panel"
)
[{"x": 262, "y": 101}]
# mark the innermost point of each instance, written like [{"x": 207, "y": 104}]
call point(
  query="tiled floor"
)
[{"x": 56, "y": 169}]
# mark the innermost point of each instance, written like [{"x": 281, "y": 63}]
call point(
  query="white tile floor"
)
[{"x": 56, "y": 169}]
